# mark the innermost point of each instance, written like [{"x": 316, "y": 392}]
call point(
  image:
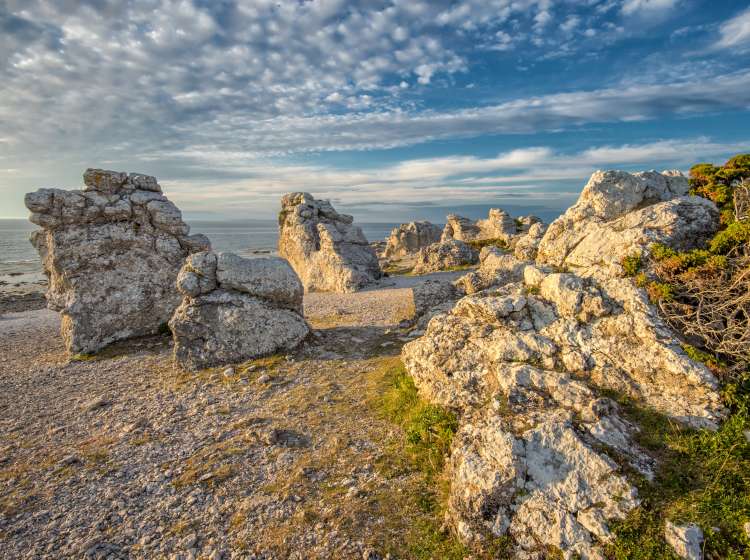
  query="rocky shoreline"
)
[{"x": 202, "y": 405}]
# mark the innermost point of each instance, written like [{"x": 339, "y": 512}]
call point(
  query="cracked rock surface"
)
[
  {"x": 326, "y": 250},
  {"x": 111, "y": 252},
  {"x": 523, "y": 359},
  {"x": 234, "y": 309}
]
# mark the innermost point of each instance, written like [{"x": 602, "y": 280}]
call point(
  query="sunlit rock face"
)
[
  {"x": 524, "y": 359},
  {"x": 234, "y": 309},
  {"x": 327, "y": 251},
  {"x": 620, "y": 214},
  {"x": 111, "y": 252},
  {"x": 410, "y": 238}
]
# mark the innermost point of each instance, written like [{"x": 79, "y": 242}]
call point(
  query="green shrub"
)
[
  {"x": 705, "y": 358},
  {"x": 660, "y": 251},
  {"x": 735, "y": 234},
  {"x": 660, "y": 291},
  {"x": 632, "y": 264},
  {"x": 717, "y": 182}
]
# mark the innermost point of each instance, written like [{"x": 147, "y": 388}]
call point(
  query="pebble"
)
[{"x": 265, "y": 378}]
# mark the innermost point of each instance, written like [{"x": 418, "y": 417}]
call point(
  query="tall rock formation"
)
[
  {"x": 409, "y": 238},
  {"x": 234, "y": 309},
  {"x": 111, "y": 253},
  {"x": 326, "y": 250}
]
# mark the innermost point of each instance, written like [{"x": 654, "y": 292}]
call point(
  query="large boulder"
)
[
  {"x": 111, "y": 253},
  {"x": 410, "y": 238},
  {"x": 444, "y": 256},
  {"x": 620, "y": 214},
  {"x": 522, "y": 363},
  {"x": 326, "y": 250},
  {"x": 234, "y": 309}
]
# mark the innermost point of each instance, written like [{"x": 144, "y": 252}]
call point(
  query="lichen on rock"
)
[{"x": 111, "y": 252}]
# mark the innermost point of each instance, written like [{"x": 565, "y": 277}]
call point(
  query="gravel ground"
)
[
  {"x": 22, "y": 296},
  {"x": 123, "y": 456}
]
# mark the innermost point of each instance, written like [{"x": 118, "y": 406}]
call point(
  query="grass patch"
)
[
  {"x": 428, "y": 428},
  {"x": 703, "y": 477},
  {"x": 480, "y": 244}
]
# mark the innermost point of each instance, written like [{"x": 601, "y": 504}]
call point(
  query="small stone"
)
[
  {"x": 265, "y": 378},
  {"x": 97, "y": 403},
  {"x": 229, "y": 372},
  {"x": 686, "y": 540}
]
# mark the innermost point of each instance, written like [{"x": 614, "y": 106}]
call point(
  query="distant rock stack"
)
[
  {"x": 498, "y": 225},
  {"x": 111, "y": 252},
  {"x": 409, "y": 238},
  {"x": 326, "y": 250},
  {"x": 447, "y": 255},
  {"x": 234, "y": 309}
]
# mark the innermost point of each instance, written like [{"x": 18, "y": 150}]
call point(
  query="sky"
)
[{"x": 393, "y": 109}]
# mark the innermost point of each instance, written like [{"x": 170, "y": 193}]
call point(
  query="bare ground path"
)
[{"x": 123, "y": 456}]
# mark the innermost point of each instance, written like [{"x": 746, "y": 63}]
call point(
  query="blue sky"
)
[{"x": 394, "y": 109}]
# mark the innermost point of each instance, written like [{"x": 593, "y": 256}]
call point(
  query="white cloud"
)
[
  {"x": 535, "y": 174},
  {"x": 647, "y": 8},
  {"x": 735, "y": 32}
]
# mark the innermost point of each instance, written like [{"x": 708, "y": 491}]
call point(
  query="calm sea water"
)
[{"x": 19, "y": 260}]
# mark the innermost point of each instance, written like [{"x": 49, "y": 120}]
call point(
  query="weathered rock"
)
[
  {"x": 410, "y": 238},
  {"x": 531, "y": 467},
  {"x": 496, "y": 267},
  {"x": 430, "y": 293},
  {"x": 498, "y": 225},
  {"x": 543, "y": 484},
  {"x": 444, "y": 256},
  {"x": 686, "y": 540},
  {"x": 526, "y": 245},
  {"x": 325, "y": 249},
  {"x": 619, "y": 214},
  {"x": 111, "y": 252},
  {"x": 235, "y": 309}
]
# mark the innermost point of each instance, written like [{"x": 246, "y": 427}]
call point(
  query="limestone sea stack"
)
[
  {"x": 111, "y": 253},
  {"x": 234, "y": 309},
  {"x": 446, "y": 255},
  {"x": 409, "y": 238},
  {"x": 498, "y": 225},
  {"x": 326, "y": 250}
]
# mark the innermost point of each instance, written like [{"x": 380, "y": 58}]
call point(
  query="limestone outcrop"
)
[
  {"x": 620, "y": 214},
  {"x": 234, "y": 309},
  {"x": 326, "y": 250},
  {"x": 111, "y": 252},
  {"x": 498, "y": 225},
  {"x": 444, "y": 256},
  {"x": 527, "y": 244},
  {"x": 410, "y": 238},
  {"x": 524, "y": 357}
]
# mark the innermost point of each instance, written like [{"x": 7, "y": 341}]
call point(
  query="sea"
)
[{"x": 19, "y": 261}]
